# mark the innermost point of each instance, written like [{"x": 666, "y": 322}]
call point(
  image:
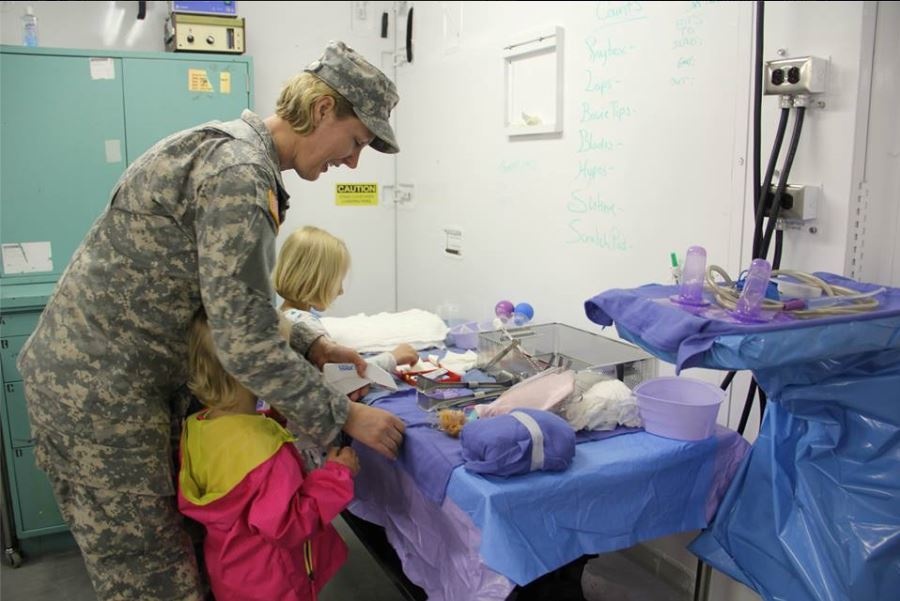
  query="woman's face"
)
[{"x": 333, "y": 143}]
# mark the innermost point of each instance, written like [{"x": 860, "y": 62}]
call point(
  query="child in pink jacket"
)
[{"x": 268, "y": 522}]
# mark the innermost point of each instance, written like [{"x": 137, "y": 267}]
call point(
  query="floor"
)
[
  {"x": 609, "y": 577},
  {"x": 61, "y": 575}
]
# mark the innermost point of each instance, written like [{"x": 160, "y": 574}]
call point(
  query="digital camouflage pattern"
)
[
  {"x": 132, "y": 551},
  {"x": 189, "y": 221},
  {"x": 371, "y": 93},
  {"x": 192, "y": 221}
]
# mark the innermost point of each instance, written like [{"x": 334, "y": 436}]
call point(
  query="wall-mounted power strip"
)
[
  {"x": 798, "y": 203},
  {"x": 789, "y": 76}
]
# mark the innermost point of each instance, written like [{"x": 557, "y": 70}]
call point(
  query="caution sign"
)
[{"x": 356, "y": 195}]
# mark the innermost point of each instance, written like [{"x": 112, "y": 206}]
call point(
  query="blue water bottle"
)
[{"x": 29, "y": 28}]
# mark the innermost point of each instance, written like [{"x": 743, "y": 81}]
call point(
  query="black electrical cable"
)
[
  {"x": 779, "y": 243},
  {"x": 757, "y": 93},
  {"x": 763, "y": 191},
  {"x": 762, "y": 404},
  {"x": 726, "y": 382},
  {"x": 748, "y": 404},
  {"x": 409, "y": 36},
  {"x": 783, "y": 180},
  {"x": 698, "y": 580},
  {"x": 757, "y": 139}
]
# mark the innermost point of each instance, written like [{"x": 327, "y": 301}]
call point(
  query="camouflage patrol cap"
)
[{"x": 371, "y": 93}]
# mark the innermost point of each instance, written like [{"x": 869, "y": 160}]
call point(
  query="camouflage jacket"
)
[{"x": 191, "y": 221}]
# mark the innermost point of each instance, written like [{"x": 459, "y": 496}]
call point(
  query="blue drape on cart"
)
[{"x": 814, "y": 512}]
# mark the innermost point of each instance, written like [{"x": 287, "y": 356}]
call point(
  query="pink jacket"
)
[{"x": 268, "y": 524}]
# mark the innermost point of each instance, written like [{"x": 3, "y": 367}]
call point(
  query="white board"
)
[{"x": 650, "y": 160}]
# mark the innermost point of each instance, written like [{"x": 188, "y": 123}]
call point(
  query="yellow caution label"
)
[
  {"x": 198, "y": 81},
  {"x": 356, "y": 195},
  {"x": 225, "y": 82}
]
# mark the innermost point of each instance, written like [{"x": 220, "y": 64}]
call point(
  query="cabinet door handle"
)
[{"x": 4, "y": 343}]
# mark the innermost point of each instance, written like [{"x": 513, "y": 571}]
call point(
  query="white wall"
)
[
  {"x": 467, "y": 173},
  {"x": 112, "y": 25},
  {"x": 873, "y": 246},
  {"x": 833, "y": 31},
  {"x": 667, "y": 176}
]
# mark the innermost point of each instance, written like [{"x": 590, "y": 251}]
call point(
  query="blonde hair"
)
[
  {"x": 311, "y": 267},
  {"x": 209, "y": 381},
  {"x": 300, "y": 93}
]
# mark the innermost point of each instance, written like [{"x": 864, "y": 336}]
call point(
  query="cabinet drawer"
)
[
  {"x": 17, "y": 414},
  {"x": 18, "y": 324},
  {"x": 9, "y": 352},
  {"x": 36, "y": 509}
]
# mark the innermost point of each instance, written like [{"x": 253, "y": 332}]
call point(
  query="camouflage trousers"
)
[{"x": 134, "y": 546}]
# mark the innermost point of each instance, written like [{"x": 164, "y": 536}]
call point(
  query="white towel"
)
[
  {"x": 606, "y": 405},
  {"x": 384, "y": 331}
]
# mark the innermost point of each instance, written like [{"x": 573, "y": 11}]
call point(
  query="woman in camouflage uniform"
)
[{"x": 191, "y": 223}]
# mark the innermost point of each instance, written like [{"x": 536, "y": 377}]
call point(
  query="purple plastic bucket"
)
[
  {"x": 678, "y": 407},
  {"x": 465, "y": 335}
]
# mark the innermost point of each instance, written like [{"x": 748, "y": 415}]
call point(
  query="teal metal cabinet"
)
[
  {"x": 34, "y": 511},
  {"x": 198, "y": 90},
  {"x": 71, "y": 122},
  {"x": 56, "y": 125}
]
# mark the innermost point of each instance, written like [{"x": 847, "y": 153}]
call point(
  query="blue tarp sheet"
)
[
  {"x": 814, "y": 513},
  {"x": 616, "y": 493}
]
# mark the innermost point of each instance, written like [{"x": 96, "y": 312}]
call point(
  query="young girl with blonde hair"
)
[
  {"x": 267, "y": 520},
  {"x": 309, "y": 275}
]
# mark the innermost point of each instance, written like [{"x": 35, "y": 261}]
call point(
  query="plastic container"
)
[
  {"x": 749, "y": 305},
  {"x": 465, "y": 335},
  {"x": 678, "y": 407},
  {"x": 557, "y": 344},
  {"x": 29, "y": 28},
  {"x": 693, "y": 276}
]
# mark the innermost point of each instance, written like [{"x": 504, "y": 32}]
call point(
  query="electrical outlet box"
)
[
  {"x": 789, "y": 76},
  {"x": 798, "y": 203}
]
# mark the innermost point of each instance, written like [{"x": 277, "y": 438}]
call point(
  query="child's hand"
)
[
  {"x": 405, "y": 354},
  {"x": 358, "y": 394},
  {"x": 345, "y": 456}
]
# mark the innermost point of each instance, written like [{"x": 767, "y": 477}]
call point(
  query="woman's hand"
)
[
  {"x": 376, "y": 428},
  {"x": 325, "y": 350}
]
